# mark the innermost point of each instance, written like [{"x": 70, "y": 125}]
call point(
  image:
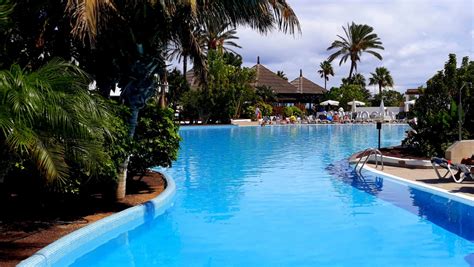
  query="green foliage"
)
[
  {"x": 382, "y": 78},
  {"x": 347, "y": 93},
  {"x": 265, "y": 94},
  {"x": 437, "y": 109},
  {"x": 282, "y": 75},
  {"x": 265, "y": 109},
  {"x": 391, "y": 98},
  {"x": 359, "y": 38},
  {"x": 225, "y": 94},
  {"x": 325, "y": 70},
  {"x": 292, "y": 111},
  {"x": 50, "y": 121},
  {"x": 177, "y": 87},
  {"x": 156, "y": 140}
]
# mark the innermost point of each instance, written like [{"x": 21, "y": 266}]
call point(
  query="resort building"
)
[{"x": 301, "y": 90}]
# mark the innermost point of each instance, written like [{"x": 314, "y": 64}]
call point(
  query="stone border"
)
[
  {"x": 427, "y": 188},
  {"x": 68, "y": 248}
]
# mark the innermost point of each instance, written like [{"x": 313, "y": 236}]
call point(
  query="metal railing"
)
[{"x": 367, "y": 153}]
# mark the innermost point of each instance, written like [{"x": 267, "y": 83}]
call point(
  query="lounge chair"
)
[{"x": 462, "y": 171}]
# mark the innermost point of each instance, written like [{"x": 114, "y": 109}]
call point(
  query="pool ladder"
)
[{"x": 367, "y": 153}]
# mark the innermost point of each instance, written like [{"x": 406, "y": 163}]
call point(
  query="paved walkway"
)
[{"x": 428, "y": 176}]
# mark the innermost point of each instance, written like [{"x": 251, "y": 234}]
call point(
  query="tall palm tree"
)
[
  {"x": 49, "y": 113},
  {"x": 358, "y": 39},
  {"x": 325, "y": 70},
  {"x": 382, "y": 78},
  {"x": 139, "y": 28}
]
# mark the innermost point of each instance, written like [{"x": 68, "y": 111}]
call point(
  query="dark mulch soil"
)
[{"x": 26, "y": 229}]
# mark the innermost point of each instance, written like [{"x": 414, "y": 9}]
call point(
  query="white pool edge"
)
[
  {"x": 426, "y": 187},
  {"x": 68, "y": 248}
]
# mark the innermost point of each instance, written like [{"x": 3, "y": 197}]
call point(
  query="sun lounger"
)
[{"x": 462, "y": 171}]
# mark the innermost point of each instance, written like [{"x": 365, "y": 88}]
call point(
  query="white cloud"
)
[{"x": 417, "y": 36}]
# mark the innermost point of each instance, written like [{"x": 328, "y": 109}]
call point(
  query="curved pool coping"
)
[
  {"x": 426, "y": 187},
  {"x": 68, "y": 248}
]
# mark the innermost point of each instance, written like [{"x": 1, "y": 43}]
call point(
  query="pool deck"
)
[{"x": 428, "y": 177}]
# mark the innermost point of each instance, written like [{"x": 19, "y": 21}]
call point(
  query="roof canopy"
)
[{"x": 306, "y": 86}]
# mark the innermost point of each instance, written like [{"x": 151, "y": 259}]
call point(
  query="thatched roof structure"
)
[
  {"x": 306, "y": 86},
  {"x": 266, "y": 77}
]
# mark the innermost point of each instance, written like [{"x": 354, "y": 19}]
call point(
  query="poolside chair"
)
[{"x": 462, "y": 171}]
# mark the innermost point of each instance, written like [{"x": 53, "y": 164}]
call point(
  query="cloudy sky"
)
[{"x": 417, "y": 35}]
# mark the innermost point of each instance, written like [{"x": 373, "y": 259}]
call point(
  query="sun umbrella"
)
[
  {"x": 382, "y": 110},
  {"x": 329, "y": 103},
  {"x": 355, "y": 103}
]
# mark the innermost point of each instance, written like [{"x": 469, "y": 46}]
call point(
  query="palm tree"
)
[
  {"x": 282, "y": 75},
  {"x": 358, "y": 39},
  {"x": 325, "y": 70},
  {"x": 140, "y": 29},
  {"x": 219, "y": 36},
  {"x": 382, "y": 78},
  {"x": 48, "y": 114}
]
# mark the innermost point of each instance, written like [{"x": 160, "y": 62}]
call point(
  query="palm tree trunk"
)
[
  {"x": 185, "y": 65},
  {"x": 325, "y": 80},
  {"x": 380, "y": 90},
  {"x": 352, "y": 69},
  {"x": 122, "y": 175}
]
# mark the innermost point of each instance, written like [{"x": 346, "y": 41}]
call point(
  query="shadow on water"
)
[{"x": 451, "y": 215}]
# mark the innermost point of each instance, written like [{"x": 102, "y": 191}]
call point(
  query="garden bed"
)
[{"x": 23, "y": 232}]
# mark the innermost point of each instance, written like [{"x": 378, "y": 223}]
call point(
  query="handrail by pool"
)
[{"x": 67, "y": 249}]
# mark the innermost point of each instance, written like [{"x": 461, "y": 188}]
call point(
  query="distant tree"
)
[
  {"x": 359, "y": 38},
  {"x": 347, "y": 93},
  {"x": 233, "y": 59},
  {"x": 356, "y": 79},
  {"x": 265, "y": 94},
  {"x": 282, "y": 75},
  {"x": 391, "y": 98},
  {"x": 325, "y": 71},
  {"x": 382, "y": 78},
  {"x": 177, "y": 87}
]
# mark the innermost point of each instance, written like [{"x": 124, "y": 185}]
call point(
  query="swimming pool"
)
[{"x": 284, "y": 196}]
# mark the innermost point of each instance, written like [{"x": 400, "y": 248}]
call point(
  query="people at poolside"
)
[{"x": 258, "y": 113}]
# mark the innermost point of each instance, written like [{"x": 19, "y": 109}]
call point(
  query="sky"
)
[{"x": 417, "y": 35}]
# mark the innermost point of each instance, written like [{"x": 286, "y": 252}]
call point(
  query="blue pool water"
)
[{"x": 285, "y": 196}]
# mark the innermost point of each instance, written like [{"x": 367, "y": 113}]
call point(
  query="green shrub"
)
[
  {"x": 292, "y": 111},
  {"x": 156, "y": 140},
  {"x": 437, "y": 109}
]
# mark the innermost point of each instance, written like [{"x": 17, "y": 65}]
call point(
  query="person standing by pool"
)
[{"x": 258, "y": 113}]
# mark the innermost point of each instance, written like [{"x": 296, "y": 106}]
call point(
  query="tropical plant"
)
[
  {"x": 132, "y": 38},
  {"x": 391, "y": 98},
  {"x": 325, "y": 71},
  {"x": 382, "y": 78},
  {"x": 356, "y": 79},
  {"x": 358, "y": 39},
  {"x": 282, "y": 75},
  {"x": 437, "y": 109},
  {"x": 292, "y": 111},
  {"x": 265, "y": 94},
  {"x": 156, "y": 140},
  {"x": 219, "y": 36},
  {"x": 49, "y": 118}
]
